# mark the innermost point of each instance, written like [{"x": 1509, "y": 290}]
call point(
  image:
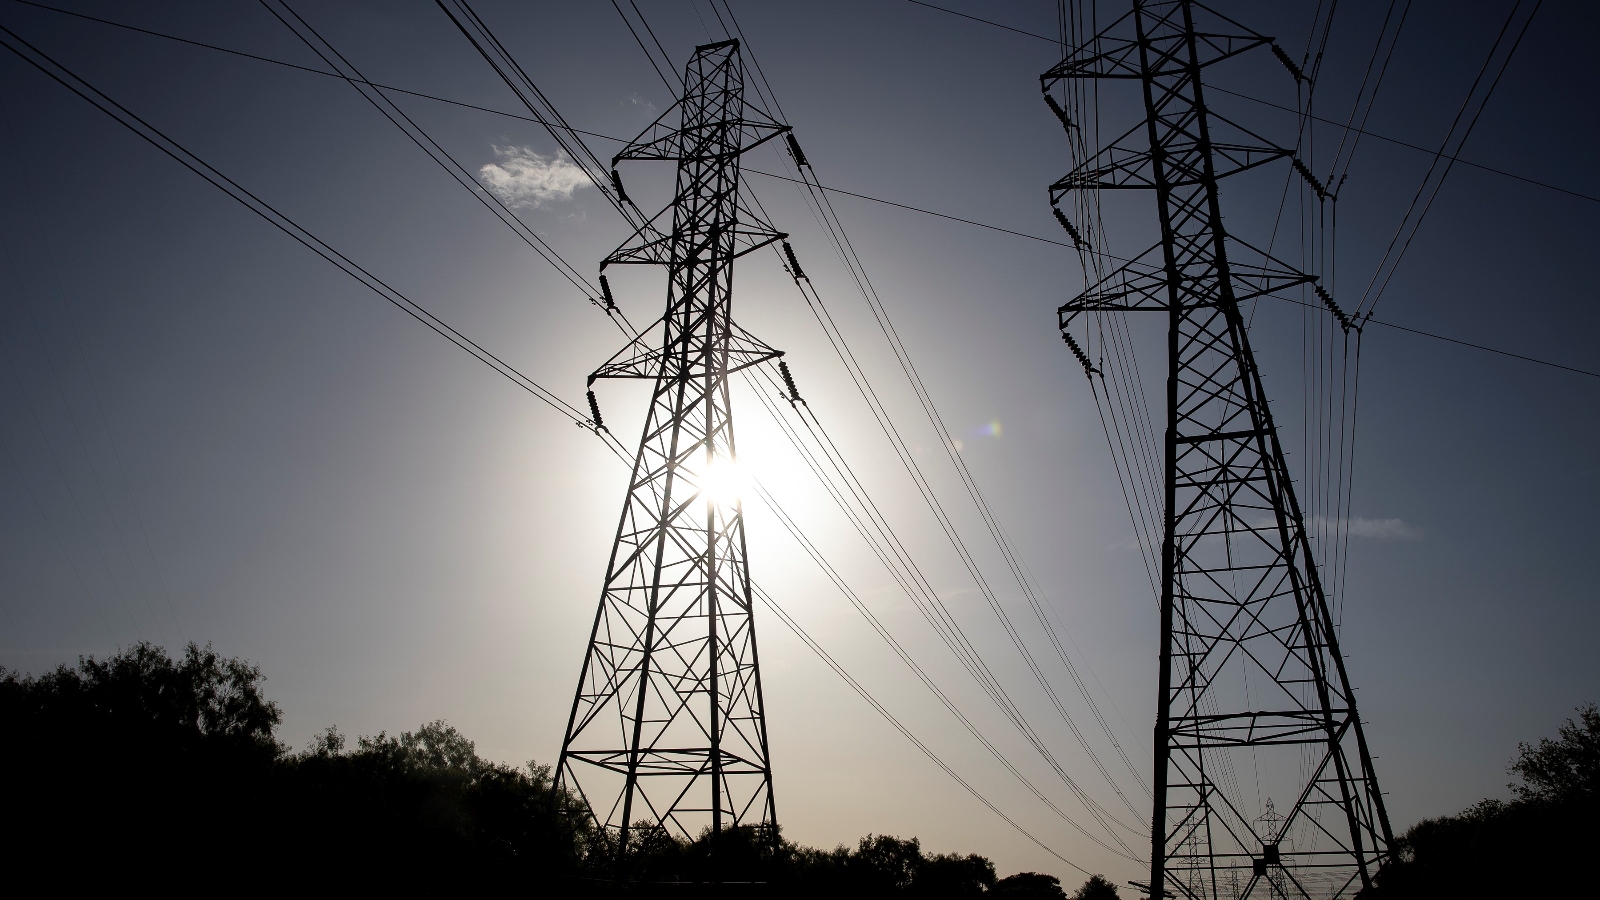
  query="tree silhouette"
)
[
  {"x": 142, "y": 768},
  {"x": 1562, "y": 770},
  {"x": 1098, "y": 887},
  {"x": 1029, "y": 886},
  {"x": 1533, "y": 846}
]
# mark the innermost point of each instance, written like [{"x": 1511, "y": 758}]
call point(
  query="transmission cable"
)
[
  {"x": 890, "y": 718},
  {"x": 325, "y": 51},
  {"x": 1387, "y": 266},
  {"x": 880, "y": 412},
  {"x": 161, "y": 141},
  {"x": 872, "y": 620},
  {"x": 843, "y": 245},
  {"x": 834, "y": 228}
]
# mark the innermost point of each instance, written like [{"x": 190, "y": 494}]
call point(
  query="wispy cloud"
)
[
  {"x": 1378, "y": 529},
  {"x": 1384, "y": 529},
  {"x": 528, "y": 179}
]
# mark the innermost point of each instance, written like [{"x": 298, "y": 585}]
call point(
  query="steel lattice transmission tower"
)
[
  {"x": 668, "y": 728},
  {"x": 1251, "y": 677}
]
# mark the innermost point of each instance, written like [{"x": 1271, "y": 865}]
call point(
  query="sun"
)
[{"x": 723, "y": 484}]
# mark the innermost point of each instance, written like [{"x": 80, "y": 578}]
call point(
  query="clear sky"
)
[{"x": 211, "y": 434}]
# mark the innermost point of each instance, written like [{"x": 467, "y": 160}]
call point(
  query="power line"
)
[
  {"x": 834, "y": 228},
  {"x": 890, "y": 718},
  {"x": 1393, "y": 265},
  {"x": 896, "y": 558},
  {"x": 601, "y": 185},
  {"x": 1365, "y": 320},
  {"x": 915, "y": 209},
  {"x": 1343, "y": 125},
  {"x": 158, "y": 139},
  {"x": 397, "y": 117},
  {"x": 986, "y": 21}
]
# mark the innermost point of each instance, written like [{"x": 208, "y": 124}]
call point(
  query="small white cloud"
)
[
  {"x": 1373, "y": 529},
  {"x": 528, "y": 179},
  {"x": 1384, "y": 529}
]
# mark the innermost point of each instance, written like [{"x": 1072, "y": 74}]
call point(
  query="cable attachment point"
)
[
  {"x": 616, "y": 184},
  {"x": 1072, "y": 231},
  {"x": 795, "y": 151},
  {"x": 1327, "y": 300},
  {"x": 1288, "y": 63},
  {"x": 794, "y": 264},
  {"x": 788, "y": 382},
  {"x": 1322, "y": 192},
  {"x": 594, "y": 411},
  {"x": 1088, "y": 367},
  {"x": 605, "y": 290},
  {"x": 1060, "y": 113}
]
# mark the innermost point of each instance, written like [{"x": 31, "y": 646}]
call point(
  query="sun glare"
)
[{"x": 724, "y": 483}]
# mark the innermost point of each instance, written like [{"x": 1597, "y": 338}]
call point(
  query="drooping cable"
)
[
  {"x": 161, "y": 141},
  {"x": 538, "y": 105},
  {"x": 1450, "y": 146},
  {"x": 335, "y": 60},
  {"x": 865, "y": 530},
  {"x": 889, "y": 717},
  {"x": 834, "y": 228}
]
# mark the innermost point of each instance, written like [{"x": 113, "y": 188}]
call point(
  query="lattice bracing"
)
[
  {"x": 668, "y": 727},
  {"x": 1254, "y": 704}
]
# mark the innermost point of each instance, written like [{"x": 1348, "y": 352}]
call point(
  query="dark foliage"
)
[
  {"x": 145, "y": 769},
  {"x": 1098, "y": 887},
  {"x": 1029, "y": 886},
  {"x": 126, "y": 766},
  {"x": 1562, "y": 770},
  {"x": 141, "y": 769},
  {"x": 1533, "y": 846}
]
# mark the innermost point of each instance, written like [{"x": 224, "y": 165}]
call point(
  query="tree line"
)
[{"x": 144, "y": 769}]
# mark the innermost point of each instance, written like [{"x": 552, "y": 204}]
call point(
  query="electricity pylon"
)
[
  {"x": 668, "y": 727},
  {"x": 1251, "y": 677}
]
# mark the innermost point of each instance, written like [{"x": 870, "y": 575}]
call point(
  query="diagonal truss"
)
[
  {"x": 668, "y": 729},
  {"x": 1251, "y": 677}
]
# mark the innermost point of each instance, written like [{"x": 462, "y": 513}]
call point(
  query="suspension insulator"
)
[
  {"x": 616, "y": 184},
  {"x": 1077, "y": 351},
  {"x": 605, "y": 290},
  {"x": 1060, "y": 113},
  {"x": 1077, "y": 239},
  {"x": 594, "y": 412},
  {"x": 794, "y": 264},
  {"x": 788, "y": 382},
  {"x": 1344, "y": 320},
  {"x": 795, "y": 151},
  {"x": 1322, "y": 192},
  {"x": 1288, "y": 63}
]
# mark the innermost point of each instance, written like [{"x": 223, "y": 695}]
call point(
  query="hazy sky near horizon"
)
[{"x": 212, "y": 435}]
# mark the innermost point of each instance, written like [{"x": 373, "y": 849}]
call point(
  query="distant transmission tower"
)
[
  {"x": 1254, "y": 700},
  {"x": 668, "y": 728}
]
